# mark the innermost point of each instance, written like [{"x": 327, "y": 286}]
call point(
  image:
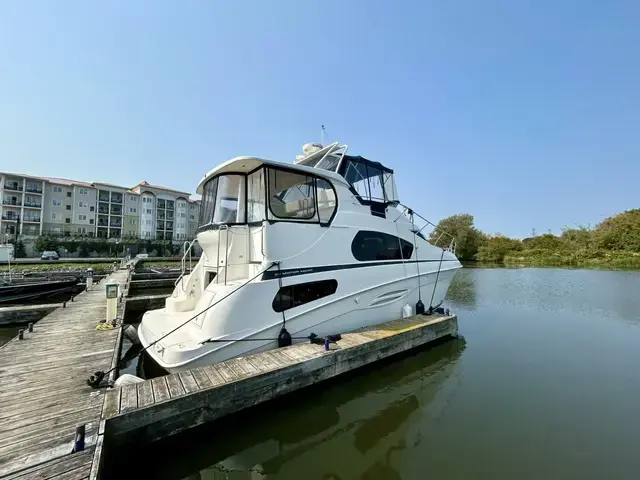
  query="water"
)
[
  {"x": 544, "y": 384},
  {"x": 8, "y": 332}
]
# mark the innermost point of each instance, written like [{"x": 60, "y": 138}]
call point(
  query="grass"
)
[{"x": 55, "y": 266}]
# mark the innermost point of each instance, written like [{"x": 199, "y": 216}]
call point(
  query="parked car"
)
[
  {"x": 49, "y": 255},
  {"x": 142, "y": 255}
]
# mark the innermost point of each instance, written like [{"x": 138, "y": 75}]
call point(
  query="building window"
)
[
  {"x": 83, "y": 191},
  {"x": 67, "y": 220},
  {"x": 82, "y": 217},
  {"x": 57, "y": 189},
  {"x": 149, "y": 211},
  {"x": 69, "y": 194},
  {"x": 370, "y": 246},
  {"x": 149, "y": 222},
  {"x": 82, "y": 204},
  {"x": 55, "y": 229},
  {"x": 291, "y": 195},
  {"x": 91, "y": 221},
  {"x": 55, "y": 202},
  {"x": 92, "y": 208},
  {"x": 82, "y": 230},
  {"x": 68, "y": 207},
  {"x": 54, "y": 216},
  {"x": 132, "y": 198},
  {"x": 132, "y": 210},
  {"x": 132, "y": 221},
  {"x": 192, "y": 217},
  {"x": 293, "y": 296}
]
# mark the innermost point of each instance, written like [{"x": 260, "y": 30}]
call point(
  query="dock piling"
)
[
  {"x": 30, "y": 326},
  {"x": 21, "y": 334}
]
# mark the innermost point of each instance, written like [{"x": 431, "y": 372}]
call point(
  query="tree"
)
[
  {"x": 468, "y": 238},
  {"x": 496, "y": 247},
  {"x": 619, "y": 232},
  {"x": 45, "y": 243}
]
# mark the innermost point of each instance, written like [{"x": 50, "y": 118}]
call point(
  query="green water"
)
[
  {"x": 8, "y": 332},
  {"x": 544, "y": 384}
]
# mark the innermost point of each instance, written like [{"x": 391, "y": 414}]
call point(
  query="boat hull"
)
[{"x": 378, "y": 302}]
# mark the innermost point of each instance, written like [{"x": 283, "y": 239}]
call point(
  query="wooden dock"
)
[
  {"x": 160, "y": 407},
  {"x": 43, "y": 389}
]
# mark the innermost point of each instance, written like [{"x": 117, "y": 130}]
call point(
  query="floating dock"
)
[
  {"x": 43, "y": 387},
  {"x": 44, "y": 395}
]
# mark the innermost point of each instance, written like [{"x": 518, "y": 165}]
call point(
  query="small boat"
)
[
  {"x": 322, "y": 246},
  {"x": 21, "y": 290}
]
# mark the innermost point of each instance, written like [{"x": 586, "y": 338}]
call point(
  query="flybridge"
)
[{"x": 370, "y": 181}]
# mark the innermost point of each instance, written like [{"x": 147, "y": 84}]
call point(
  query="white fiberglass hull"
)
[{"x": 365, "y": 296}]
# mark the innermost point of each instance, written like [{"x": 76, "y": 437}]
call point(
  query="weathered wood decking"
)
[
  {"x": 163, "y": 406},
  {"x": 43, "y": 389}
]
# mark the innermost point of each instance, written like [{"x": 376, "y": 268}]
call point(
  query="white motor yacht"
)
[{"x": 322, "y": 246}]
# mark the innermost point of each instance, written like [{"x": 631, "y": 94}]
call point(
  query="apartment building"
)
[
  {"x": 69, "y": 207},
  {"x": 164, "y": 212},
  {"x": 50, "y": 205},
  {"x": 22, "y": 200}
]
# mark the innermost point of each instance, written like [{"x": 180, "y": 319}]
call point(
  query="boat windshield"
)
[
  {"x": 271, "y": 194},
  {"x": 223, "y": 200}
]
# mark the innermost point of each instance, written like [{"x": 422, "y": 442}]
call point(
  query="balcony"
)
[
  {"x": 169, "y": 225},
  {"x": 116, "y": 210},
  {"x": 116, "y": 198},
  {"x": 103, "y": 223},
  {"x": 10, "y": 218},
  {"x": 169, "y": 215},
  {"x": 37, "y": 190},
  {"x": 159, "y": 235},
  {"x": 114, "y": 233},
  {"x": 11, "y": 201},
  {"x": 103, "y": 197},
  {"x": 115, "y": 224},
  {"x": 160, "y": 226},
  {"x": 30, "y": 231},
  {"x": 103, "y": 210},
  {"x": 161, "y": 215},
  {"x": 31, "y": 219},
  {"x": 170, "y": 204},
  {"x": 13, "y": 186},
  {"x": 32, "y": 204},
  {"x": 161, "y": 204}
]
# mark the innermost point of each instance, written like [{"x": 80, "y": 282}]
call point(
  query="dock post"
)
[
  {"x": 112, "y": 301},
  {"x": 78, "y": 443},
  {"x": 21, "y": 334},
  {"x": 89, "y": 278},
  {"x": 30, "y": 326}
]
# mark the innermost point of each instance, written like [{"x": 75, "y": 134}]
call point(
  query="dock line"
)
[{"x": 95, "y": 380}]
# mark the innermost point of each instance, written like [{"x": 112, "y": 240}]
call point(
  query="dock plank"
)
[
  {"x": 145, "y": 393},
  {"x": 160, "y": 389},
  {"x": 189, "y": 382},
  {"x": 175, "y": 385},
  {"x": 201, "y": 378},
  {"x": 128, "y": 397},
  {"x": 225, "y": 372},
  {"x": 214, "y": 376}
]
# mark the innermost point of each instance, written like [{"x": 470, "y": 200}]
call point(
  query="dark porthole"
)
[{"x": 293, "y": 296}]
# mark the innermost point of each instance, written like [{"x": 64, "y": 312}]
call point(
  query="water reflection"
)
[
  {"x": 462, "y": 291},
  {"x": 355, "y": 425}
]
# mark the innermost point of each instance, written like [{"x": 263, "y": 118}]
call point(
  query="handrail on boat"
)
[{"x": 451, "y": 247}]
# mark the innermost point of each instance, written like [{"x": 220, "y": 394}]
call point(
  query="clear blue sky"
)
[{"x": 525, "y": 113}]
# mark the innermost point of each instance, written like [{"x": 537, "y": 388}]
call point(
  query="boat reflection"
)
[{"x": 349, "y": 429}]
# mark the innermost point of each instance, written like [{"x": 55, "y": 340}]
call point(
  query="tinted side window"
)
[
  {"x": 369, "y": 246},
  {"x": 293, "y": 296}
]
